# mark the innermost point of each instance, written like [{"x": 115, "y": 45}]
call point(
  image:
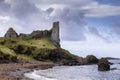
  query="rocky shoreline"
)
[{"x": 15, "y": 71}]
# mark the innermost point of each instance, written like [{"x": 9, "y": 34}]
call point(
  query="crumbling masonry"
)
[{"x": 53, "y": 34}]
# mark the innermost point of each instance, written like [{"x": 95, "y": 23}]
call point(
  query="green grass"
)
[
  {"x": 43, "y": 43},
  {"x": 7, "y": 54},
  {"x": 39, "y": 43},
  {"x": 25, "y": 57},
  {"x": 32, "y": 49},
  {"x": 9, "y": 45},
  {"x": 6, "y": 50}
]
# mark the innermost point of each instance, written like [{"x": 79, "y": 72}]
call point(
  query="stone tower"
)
[
  {"x": 55, "y": 34},
  {"x": 11, "y": 33}
]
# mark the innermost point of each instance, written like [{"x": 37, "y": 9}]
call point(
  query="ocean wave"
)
[
  {"x": 35, "y": 76},
  {"x": 86, "y": 72}
]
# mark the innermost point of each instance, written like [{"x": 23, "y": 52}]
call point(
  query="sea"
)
[{"x": 83, "y": 72}]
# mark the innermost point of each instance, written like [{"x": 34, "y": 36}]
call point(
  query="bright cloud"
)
[
  {"x": 39, "y": 14},
  {"x": 101, "y": 10}
]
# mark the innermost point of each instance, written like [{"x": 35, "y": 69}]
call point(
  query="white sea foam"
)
[
  {"x": 116, "y": 63},
  {"x": 35, "y": 76},
  {"x": 88, "y": 72}
]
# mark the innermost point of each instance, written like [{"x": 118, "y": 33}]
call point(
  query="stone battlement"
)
[{"x": 53, "y": 34}]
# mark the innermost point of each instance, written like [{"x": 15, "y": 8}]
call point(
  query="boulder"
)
[
  {"x": 91, "y": 59},
  {"x": 103, "y": 65}
]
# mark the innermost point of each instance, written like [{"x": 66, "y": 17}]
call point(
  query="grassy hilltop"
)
[{"x": 17, "y": 49}]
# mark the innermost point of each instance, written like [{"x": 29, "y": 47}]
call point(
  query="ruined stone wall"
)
[
  {"x": 11, "y": 33},
  {"x": 55, "y": 34},
  {"x": 24, "y": 36},
  {"x": 38, "y": 34}
]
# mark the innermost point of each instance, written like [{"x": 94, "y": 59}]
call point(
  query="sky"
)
[{"x": 86, "y": 26}]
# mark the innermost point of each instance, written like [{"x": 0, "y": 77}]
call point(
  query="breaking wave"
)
[{"x": 86, "y": 72}]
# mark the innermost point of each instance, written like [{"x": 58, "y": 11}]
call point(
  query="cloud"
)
[
  {"x": 22, "y": 8},
  {"x": 22, "y": 15},
  {"x": 93, "y": 8},
  {"x": 4, "y": 7},
  {"x": 50, "y": 10},
  {"x": 4, "y": 18},
  {"x": 95, "y": 31},
  {"x": 39, "y": 14},
  {"x": 110, "y": 2},
  {"x": 1, "y": 1},
  {"x": 29, "y": 16},
  {"x": 116, "y": 28},
  {"x": 72, "y": 23},
  {"x": 97, "y": 10}
]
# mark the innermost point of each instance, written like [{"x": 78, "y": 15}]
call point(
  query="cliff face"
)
[{"x": 53, "y": 34}]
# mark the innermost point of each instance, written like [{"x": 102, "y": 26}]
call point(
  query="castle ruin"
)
[
  {"x": 53, "y": 34},
  {"x": 11, "y": 33}
]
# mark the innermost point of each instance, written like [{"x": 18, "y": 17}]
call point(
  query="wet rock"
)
[
  {"x": 91, "y": 59},
  {"x": 103, "y": 65},
  {"x": 69, "y": 62}
]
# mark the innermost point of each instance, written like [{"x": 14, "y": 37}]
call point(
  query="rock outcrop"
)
[
  {"x": 11, "y": 33},
  {"x": 103, "y": 65},
  {"x": 91, "y": 59}
]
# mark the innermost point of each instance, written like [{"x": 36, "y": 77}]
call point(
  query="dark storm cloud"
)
[
  {"x": 17, "y": 8},
  {"x": 4, "y": 7},
  {"x": 49, "y": 10},
  {"x": 1, "y": 1},
  {"x": 22, "y": 8}
]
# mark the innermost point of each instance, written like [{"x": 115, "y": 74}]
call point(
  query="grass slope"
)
[
  {"x": 33, "y": 49},
  {"x": 8, "y": 45}
]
